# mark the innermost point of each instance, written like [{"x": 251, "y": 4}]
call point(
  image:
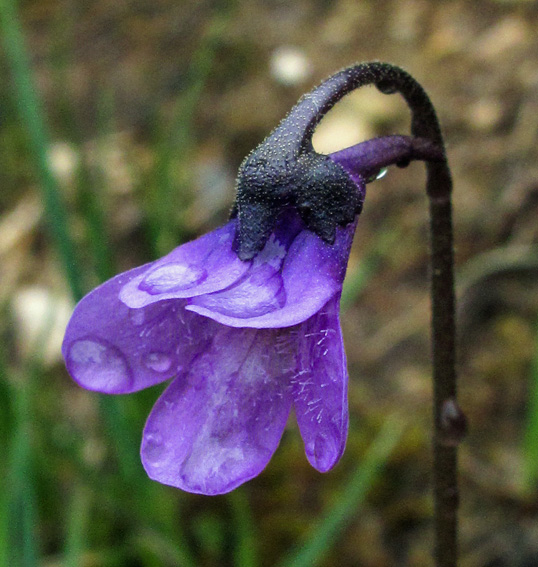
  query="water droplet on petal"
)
[
  {"x": 377, "y": 175},
  {"x": 153, "y": 449},
  {"x": 382, "y": 173},
  {"x": 99, "y": 366},
  {"x": 172, "y": 277},
  {"x": 158, "y": 361},
  {"x": 324, "y": 451}
]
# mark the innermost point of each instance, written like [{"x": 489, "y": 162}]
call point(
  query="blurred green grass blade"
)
[
  {"x": 245, "y": 551},
  {"x": 357, "y": 279},
  {"x": 175, "y": 140},
  {"x": 89, "y": 182},
  {"x": 77, "y": 526},
  {"x": 22, "y": 548},
  {"x": 4, "y": 526},
  {"x": 164, "y": 550},
  {"x": 103, "y": 256},
  {"x": 88, "y": 197},
  {"x": 125, "y": 438},
  {"x": 326, "y": 533},
  {"x": 174, "y": 146},
  {"x": 21, "y": 502},
  {"x": 91, "y": 188},
  {"x": 5, "y": 396},
  {"x": 33, "y": 122}
]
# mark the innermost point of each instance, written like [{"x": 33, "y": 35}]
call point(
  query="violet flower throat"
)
[{"x": 244, "y": 320}]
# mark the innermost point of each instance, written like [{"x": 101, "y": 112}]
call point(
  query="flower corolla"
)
[{"x": 243, "y": 321}]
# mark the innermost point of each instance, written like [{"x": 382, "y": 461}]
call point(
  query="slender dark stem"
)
[
  {"x": 444, "y": 373},
  {"x": 449, "y": 421}
]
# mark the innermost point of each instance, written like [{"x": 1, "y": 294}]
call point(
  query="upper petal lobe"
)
[
  {"x": 111, "y": 348},
  {"x": 311, "y": 273},
  {"x": 204, "y": 265}
]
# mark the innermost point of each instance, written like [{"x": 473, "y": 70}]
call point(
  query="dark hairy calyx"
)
[
  {"x": 285, "y": 170},
  {"x": 320, "y": 190}
]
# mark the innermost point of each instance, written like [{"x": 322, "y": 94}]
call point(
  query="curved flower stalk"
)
[{"x": 244, "y": 321}]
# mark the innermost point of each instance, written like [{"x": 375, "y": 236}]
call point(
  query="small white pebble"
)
[
  {"x": 290, "y": 65},
  {"x": 40, "y": 321},
  {"x": 63, "y": 161}
]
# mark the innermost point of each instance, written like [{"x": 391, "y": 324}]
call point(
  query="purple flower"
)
[
  {"x": 244, "y": 320},
  {"x": 244, "y": 343}
]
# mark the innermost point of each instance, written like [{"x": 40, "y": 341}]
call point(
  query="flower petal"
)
[
  {"x": 312, "y": 273},
  {"x": 218, "y": 425},
  {"x": 111, "y": 348},
  {"x": 320, "y": 388},
  {"x": 204, "y": 265}
]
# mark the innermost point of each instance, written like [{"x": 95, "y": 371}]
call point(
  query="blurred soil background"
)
[{"x": 150, "y": 108}]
